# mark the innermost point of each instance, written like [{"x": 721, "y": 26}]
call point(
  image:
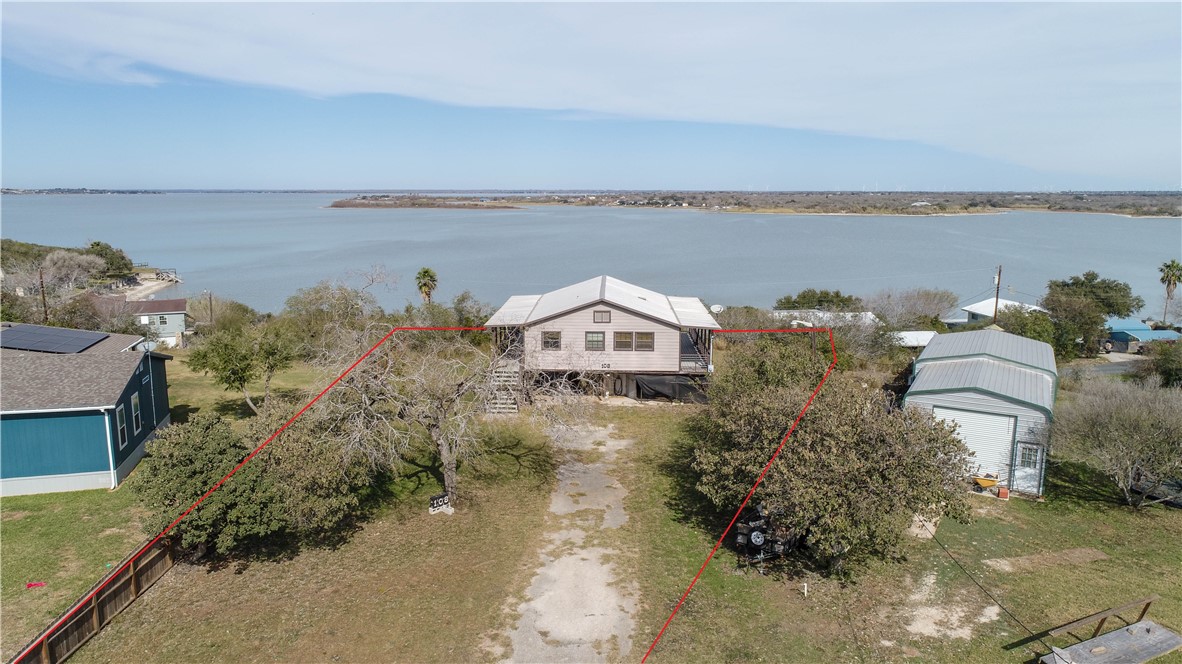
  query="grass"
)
[
  {"x": 65, "y": 540},
  {"x": 190, "y": 392},
  {"x": 736, "y": 614},
  {"x": 406, "y": 587}
]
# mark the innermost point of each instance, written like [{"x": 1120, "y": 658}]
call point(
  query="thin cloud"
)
[{"x": 1090, "y": 88}]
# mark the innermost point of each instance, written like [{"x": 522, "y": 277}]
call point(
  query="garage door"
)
[{"x": 990, "y": 437}]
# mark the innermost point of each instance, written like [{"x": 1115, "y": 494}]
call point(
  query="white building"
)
[
  {"x": 983, "y": 310},
  {"x": 999, "y": 389}
]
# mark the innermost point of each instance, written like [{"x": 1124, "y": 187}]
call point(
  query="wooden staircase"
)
[{"x": 506, "y": 387}]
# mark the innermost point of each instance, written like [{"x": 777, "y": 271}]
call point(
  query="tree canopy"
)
[
  {"x": 854, "y": 473},
  {"x": 811, "y": 298},
  {"x": 1079, "y": 305}
]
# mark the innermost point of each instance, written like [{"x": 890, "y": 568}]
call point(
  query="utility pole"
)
[
  {"x": 996, "y": 292},
  {"x": 211, "y": 321},
  {"x": 44, "y": 303}
]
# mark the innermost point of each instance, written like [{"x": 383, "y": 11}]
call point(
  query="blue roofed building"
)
[
  {"x": 1127, "y": 335},
  {"x": 76, "y": 407}
]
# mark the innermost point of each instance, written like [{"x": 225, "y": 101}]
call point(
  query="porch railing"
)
[{"x": 694, "y": 362}]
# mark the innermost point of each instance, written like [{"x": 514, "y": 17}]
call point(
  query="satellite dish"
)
[{"x": 716, "y": 308}]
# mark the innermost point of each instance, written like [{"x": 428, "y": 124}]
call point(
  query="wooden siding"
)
[
  {"x": 1030, "y": 422},
  {"x": 664, "y": 358},
  {"x": 38, "y": 444}
]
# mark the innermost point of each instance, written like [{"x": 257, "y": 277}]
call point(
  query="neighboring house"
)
[
  {"x": 999, "y": 389},
  {"x": 819, "y": 318},
  {"x": 76, "y": 407},
  {"x": 603, "y": 326},
  {"x": 914, "y": 338},
  {"x": 1128, "y": 334},
  {"x": 983, "y": 310},
  {"x": 167, "y": 318}
]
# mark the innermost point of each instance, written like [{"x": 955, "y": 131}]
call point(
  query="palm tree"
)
[
  {"x": 426, "y": 281},
  {"x": 1171, "y": 274}
]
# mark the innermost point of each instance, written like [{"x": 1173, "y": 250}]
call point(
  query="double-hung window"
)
[
  {"x": 644, "y": 341},
  {"x": 137, "y": 420},
  {"x": 551, "y": 341},
  {"x": 622, "y": 341},
  {"x": 121, "y": 426},
  {"x": 595, "y": 341}
]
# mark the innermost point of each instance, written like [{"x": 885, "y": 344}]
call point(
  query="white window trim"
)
[
  {"x": 137, "y": 413},
  {"x": 121, "y": 429}
]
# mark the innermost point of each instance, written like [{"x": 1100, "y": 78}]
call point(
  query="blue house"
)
[
  {"x": 76, "y": 407},
  {"x": 1128, "y": 334}
]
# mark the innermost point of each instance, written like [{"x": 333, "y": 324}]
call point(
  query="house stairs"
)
[{"x": 506, "y": 387}]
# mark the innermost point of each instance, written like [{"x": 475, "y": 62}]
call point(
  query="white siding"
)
[
  {"x": 1029, "y": 422},
  {"x": 990, "y": 437},
  {"x": 664, "y": 358}
]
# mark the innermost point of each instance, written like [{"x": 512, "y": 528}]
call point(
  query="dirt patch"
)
[
  {"x": 1038, "y": 560},
  {"x": 14, "y": 515},
  {"x": 947, "y": 618}
]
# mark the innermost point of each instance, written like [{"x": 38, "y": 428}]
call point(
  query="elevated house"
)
[
  {"x": 999, "y": 389},
  {"x": 637, "y": 342},
  {"x": 76, "y": 407},
  {"x": 167, "y": 318}
]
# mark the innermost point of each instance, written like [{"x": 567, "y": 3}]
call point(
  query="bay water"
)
[{"x": 259, "y": 248}]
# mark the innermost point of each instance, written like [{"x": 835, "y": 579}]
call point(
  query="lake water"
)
[{"x": 261, "y": 248}]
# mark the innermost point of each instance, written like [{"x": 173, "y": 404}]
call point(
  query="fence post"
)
[
  {"x": 135, "y": 584},
  {"x": 94, "y": 613},
  {"x": 46, "y": 657}
]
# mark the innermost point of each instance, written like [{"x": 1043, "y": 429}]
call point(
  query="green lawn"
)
[
  {"x": 190, "y": 392},
  {"x": 739, "y": 615},
  {"x": 66, "y": 540}
]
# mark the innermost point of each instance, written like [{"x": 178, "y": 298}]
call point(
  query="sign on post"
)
[{"x": 441, "y": 503}]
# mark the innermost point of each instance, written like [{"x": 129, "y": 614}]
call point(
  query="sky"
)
[{"x": 771, "y": 96}]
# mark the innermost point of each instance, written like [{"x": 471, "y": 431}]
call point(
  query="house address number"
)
[{"x": 606, "y": 365}]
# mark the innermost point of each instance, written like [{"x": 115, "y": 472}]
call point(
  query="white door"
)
[
  {"x": 1028, "y": 462},
  {"x": 989, "y": 436}
]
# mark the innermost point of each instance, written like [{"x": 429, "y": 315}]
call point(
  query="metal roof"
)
[
  {"x": 676, "y": 311},
  {"x": 46, "y": 381},
  {"x": 1127, "y": 325},
  {"x": 914, "y": 338},
  {"x": 985, "y": 307},
  {"x": 1008, "y": 381},
  {"x": 827, "y": 318},
  {"x": 993, "y": 344}
]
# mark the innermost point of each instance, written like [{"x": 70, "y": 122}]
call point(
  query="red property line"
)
[
  {"x": 85, "y": 600},
  {"x": 750, "y": 493}
]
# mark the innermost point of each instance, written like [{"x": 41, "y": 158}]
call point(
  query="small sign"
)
[{"x": 441, "y": 503}]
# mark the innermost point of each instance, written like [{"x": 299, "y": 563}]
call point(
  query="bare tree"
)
[
  {"x": 1131, "y": 433},
  {"x": 913, "y": 308},
  {"x": 69, "y": 270}
]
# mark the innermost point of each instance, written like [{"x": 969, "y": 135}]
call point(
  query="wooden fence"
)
[{"x": 105, "y": 600}]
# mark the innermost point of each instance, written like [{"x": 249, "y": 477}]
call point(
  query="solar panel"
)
[{"x": 49, "y": 339}]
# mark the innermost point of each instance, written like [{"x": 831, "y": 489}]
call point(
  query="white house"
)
[
  {"x": 631, "y": 336},
  {"x": 983, "y": 310},
  {"x": 999, "y": 389}
]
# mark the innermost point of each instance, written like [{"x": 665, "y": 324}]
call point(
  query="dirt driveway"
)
[{"x": 576, "y": 608}]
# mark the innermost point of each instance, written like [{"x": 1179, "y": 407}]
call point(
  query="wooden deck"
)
[{"x": 1140, "y": 642}]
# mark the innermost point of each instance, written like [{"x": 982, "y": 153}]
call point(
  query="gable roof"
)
[
  {"x": 985, "y": 307},
  {"x": 676, "y": 311},
  {"x": 914, "y": 338},
  {"x": 989, "y": 344},
  {"x": 113, "y": 343},
  {"x": 45, "y": 381},
  {"x": 137, "y": 307},
  {"x": 1010, "y": 382}
]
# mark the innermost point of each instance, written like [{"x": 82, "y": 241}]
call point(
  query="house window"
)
[
  {"x": 1029, "y": 457},
  {"x": 163, "y": 320},
  {"x": 595, "y": 341},
  {"x": 644, "y": 341},
  {"x": 551, "y": 341},
  {"x": 623, "y": 341},
  {"x": 137, "y": 421},
  {"x": 121, "y": 426},
  {"x": 603, "y": 316}
]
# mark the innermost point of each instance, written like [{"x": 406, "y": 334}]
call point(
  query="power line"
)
[{"x": 984, "y": 590}]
